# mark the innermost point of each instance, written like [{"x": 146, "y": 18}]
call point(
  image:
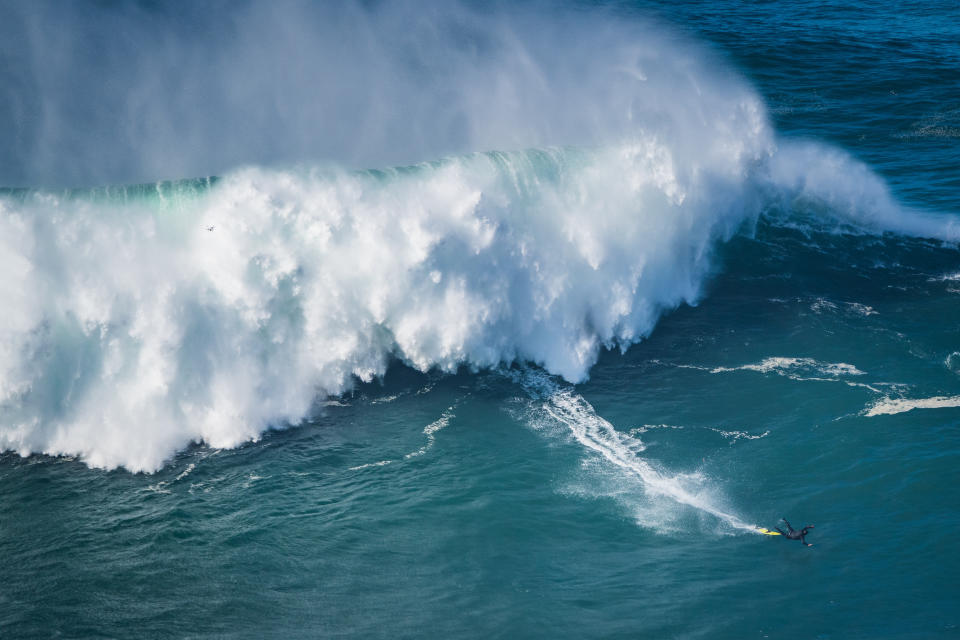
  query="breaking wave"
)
[{"x": 139, "y": 320}]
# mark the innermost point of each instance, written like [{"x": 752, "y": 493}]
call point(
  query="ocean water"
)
[{"x": 488, "y": 322}]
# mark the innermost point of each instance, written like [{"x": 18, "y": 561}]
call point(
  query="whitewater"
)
[
  {"x": 138, "y": 320},
  {"x": 132, "y": 330},
  {"x": 407, "y": 319}
]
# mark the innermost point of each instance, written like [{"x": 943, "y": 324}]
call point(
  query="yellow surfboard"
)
[{"x": 768, "y": 532}]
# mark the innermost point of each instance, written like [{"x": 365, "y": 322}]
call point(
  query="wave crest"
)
[
  {"x": 136, "y": 330},
  {"x": 130, "y": 329}
]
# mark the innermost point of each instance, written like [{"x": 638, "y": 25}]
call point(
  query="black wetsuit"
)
[{"x": 793, "y": 534}]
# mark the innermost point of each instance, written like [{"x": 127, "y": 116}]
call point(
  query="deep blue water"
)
[{"x": 277, "y": 429}]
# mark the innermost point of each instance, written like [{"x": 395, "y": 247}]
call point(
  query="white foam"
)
[
  {"x": 862, "y": 309},
  {"x": 313, "y": 280},
  {"x": 636, "y": 431},
  {"x": 563, "y": 405},
  {"x": 733, "y": 436},
  {"x": 952, "y": 362},
  {"x": 891, "y": 406},
  {"x": 430, "y": 431},
  {"x": 784, "y": 366},
  {"x": 833, "y": 185},
  {"x": 183, "y": 474},
  {"x": 822, "y": 305},
  {"x": 380, "y": 463},
  {"x": 129, "y": 330},
  {"x": 946, "y": 277},
  {"x": 802, "y": 370},
  {"x": 159, "y": 487}
]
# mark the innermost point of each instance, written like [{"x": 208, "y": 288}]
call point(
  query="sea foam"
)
[
  {"x": 133, "y": 330},
  {"x": 135, "y": 325},
  {"x": 893, "y": 406},
  {"x": 663, "y": 492}
]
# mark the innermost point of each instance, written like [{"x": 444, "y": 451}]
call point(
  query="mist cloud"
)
[{"x": 107, "y": 93}]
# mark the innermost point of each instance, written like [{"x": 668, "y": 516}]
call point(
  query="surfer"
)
[{"x": 793, "y": 534}]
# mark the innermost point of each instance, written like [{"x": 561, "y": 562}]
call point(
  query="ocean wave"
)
[
  {"x": 827, "y": 185},
  {"x": 139, "y": 321},
  {"x": 134, "y": 330}
]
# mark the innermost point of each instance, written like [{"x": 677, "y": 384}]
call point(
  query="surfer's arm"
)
[{"x": 780, "y": 530}]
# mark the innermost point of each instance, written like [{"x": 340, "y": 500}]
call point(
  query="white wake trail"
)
[{"x": 572, "y": 410}]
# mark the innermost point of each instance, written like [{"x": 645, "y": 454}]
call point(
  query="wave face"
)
[{"x": 138, "y": 321}]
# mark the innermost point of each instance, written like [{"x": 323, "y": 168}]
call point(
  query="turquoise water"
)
[{"x": 541, "y": 392}]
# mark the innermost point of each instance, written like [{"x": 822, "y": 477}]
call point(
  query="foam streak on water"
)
[
  {"x": 572, "y": 410},
  {"x": 891, "y": 406}
]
